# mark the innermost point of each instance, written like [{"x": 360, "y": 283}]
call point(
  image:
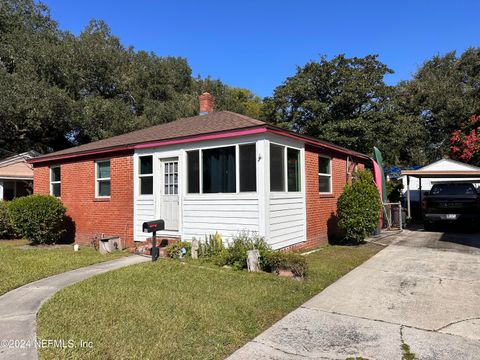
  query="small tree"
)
[
  {"x": 465, "y": 142},
  {"x": 359, "y": 207},
  {"x": 38, "y": 218}
]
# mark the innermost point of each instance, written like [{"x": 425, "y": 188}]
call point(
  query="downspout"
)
[{"x": 346, "y": 168}]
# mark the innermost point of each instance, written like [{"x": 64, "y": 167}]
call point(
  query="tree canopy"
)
[
  {"x": 346, "y": 101},
  {"x": 444, "y": 93},
  {"x": 59, "y": 90}
]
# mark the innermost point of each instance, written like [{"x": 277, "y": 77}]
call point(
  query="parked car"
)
[{"x": 451, "y": 202}]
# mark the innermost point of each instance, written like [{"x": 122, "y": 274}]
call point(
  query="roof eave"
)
[
  {"x": 315, "y": 142},
  {"x": 203, "y": 137},
  {"x": 151, "y": 144}
]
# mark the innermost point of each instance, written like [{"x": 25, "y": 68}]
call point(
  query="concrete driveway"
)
[{"x": 421, "y": 293}]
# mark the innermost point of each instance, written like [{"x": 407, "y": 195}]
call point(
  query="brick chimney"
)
[{"x": 206, "y": 101}]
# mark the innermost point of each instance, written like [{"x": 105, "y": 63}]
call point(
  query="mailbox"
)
[{"x": 153, "y": 227}]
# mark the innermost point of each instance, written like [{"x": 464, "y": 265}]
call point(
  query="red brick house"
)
[{"x": 219, "y": 171}]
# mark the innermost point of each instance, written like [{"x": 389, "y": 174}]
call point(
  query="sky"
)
[{"x": 258, "y": 44}]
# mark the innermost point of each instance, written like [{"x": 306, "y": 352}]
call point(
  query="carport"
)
[{"x": 461, "y": 175}]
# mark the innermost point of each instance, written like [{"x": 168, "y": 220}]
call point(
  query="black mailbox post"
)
[{"x": 153, "y": 227}]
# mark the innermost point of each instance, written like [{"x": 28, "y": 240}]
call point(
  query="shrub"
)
[
  {"x": 38, "y": 218},
  {"x": 211, "y": 247},
  {"x": 236, "y": 254},
  {"x": 178, "y": 249},
  {"x": 359, "y": 207},
  {"x": 6, "y": 228},
  {"x": 276, "y": 261}
]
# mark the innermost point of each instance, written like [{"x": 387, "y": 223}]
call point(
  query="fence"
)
[{"x": 394, "y": 216}]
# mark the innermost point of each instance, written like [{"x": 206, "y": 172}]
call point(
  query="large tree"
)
[
  {"x": 442, "y": 94},
  {"x": 58, "y": 90},
  {"x": 346, "y": 101}
]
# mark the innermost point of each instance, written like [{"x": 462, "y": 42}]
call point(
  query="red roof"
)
[{"x": 192, "y": 127}]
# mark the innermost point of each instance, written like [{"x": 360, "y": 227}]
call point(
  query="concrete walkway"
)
[
  {"x": 19, "y": 307},
  {"x": 422, "y": 291}
]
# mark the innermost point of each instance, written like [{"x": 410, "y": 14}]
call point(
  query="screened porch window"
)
[
  {"x": 219, "y": 170},
  {"x": 284, "y": 163},
  {"x": 293, "y": 169},
  {"x": 248, "y": 168},
  {"x": 277, "y": 169},
  {"x": 193, "y": 169},
  {"x": 216, "y": 171}
]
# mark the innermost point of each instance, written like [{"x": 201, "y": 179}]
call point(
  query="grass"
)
[
  {"x": 20, "y": 264},
  {"x": 174, "y": 310}
]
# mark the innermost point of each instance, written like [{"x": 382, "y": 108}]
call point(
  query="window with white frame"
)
[
  {"x": 277, "y": 167},
  {"x": 215, "y": 170},
  {"x": 170, "y": 184},
  {"x": 324, "y": 175},
  {"x": 55, "y": 181},
  {"x": 145, "y": 174},
  {"x": 284, "y": 164},
  {"x": 248, "y": 167},
  {"x": 219, "y": 170},
  {"x": 102, "y": 178},
  {"x": 293, "y": 169}
]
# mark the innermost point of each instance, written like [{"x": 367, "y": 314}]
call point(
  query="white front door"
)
[{"x": 169, "y": 193}]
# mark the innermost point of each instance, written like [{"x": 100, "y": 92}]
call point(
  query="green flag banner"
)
[{"x": 377, "y": 154}]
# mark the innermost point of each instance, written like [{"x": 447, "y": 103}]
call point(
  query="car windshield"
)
[{"x": 453, "y": 189}]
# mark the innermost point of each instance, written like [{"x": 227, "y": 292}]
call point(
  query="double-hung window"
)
[
  {"x": 146, "y": 174},
  {"x": 284, "y": 164},
  {"x": 55, "y": 181},
  {"x": 102, "y": 178},
  {"x": 324, "y": 175}
]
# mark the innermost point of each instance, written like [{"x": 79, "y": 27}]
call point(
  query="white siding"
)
[
  {"x": 203, "y": 215},
  {"x": 144, "y": 211},
  {"x": 286, "y": 220}
]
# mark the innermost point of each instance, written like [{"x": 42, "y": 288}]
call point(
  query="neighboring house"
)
[
  {"x": 219, "y": 171},
  {"x": 16, "y": 176},
  {"x": 442, "y": 168}
]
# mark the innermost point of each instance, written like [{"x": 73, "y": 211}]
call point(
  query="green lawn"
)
[
  {"x": 174, "y": 310},
  {"x": 20, "y": 265}
]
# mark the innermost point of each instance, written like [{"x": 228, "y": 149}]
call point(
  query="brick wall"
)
[
  {"x": 113, "y": 216},
  {"x": 321, "y": 208}
]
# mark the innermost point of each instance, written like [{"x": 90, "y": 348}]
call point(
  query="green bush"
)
[
  {"x": 38, "y": 218},
  {"x": 211, "y": 247},
  {"x": 236, "y": 254},
  {"x": 178, "y": 249},
  {"x": 278, "y": 260},
  {"x": 359, "y": 207},
  {"x": 6, "y": 228}
]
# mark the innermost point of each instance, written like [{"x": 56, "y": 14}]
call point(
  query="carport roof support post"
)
[{"x": 409, "y": 215}]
